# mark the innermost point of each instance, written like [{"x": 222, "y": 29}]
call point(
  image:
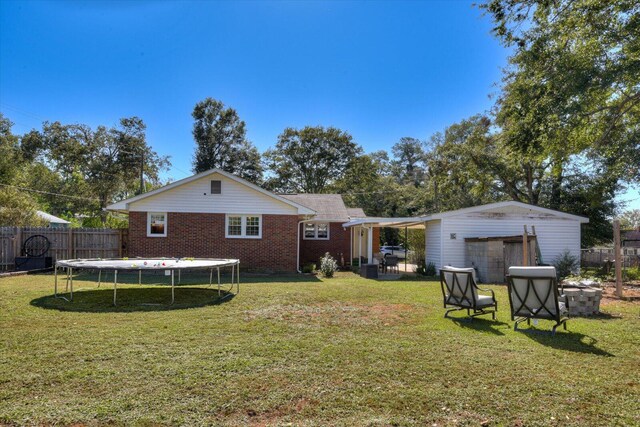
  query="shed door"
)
[{"x": 513, "y": 254}]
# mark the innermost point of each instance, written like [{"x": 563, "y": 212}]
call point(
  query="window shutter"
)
[{"x": 216, "y": 187}]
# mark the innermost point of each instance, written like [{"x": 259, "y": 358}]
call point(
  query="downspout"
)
[{"x": 298, "y": 269}]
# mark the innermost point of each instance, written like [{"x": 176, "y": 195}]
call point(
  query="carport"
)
[{"x": 362, "y": 232}]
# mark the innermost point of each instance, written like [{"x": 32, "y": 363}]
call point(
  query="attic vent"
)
[{"x": 216, "y": 187}]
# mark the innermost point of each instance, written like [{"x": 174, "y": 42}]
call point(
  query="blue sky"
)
[{"x": 379, "y": 70}]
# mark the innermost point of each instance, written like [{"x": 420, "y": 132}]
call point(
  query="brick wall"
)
[
  {"x": 203, "y": 236},
  {"x": 338, "y": 245}
]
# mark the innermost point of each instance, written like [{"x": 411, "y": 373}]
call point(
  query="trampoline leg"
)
[
  {"x": 233, "y": 272},
  {"x": 139, "y": 277},
  {"x": 238, "y": 280},
  {"x": 115, "y": 285},
  {"x": 172, "y": 287},
  {"x": 71, "y": 294},
  {"x": 99, "y": 277},
  {"x": 66, "y": 286},
  {"x": 210, "y": 277},
  {"x": 218, "y": 282},
  {"x": 55, "y": 281},
  {"x": 179, "y": 276}
]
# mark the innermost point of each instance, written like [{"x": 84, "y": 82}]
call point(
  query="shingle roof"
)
[
  {"x": 356, "y": 213},
  {"x": 327, "y": 206}
]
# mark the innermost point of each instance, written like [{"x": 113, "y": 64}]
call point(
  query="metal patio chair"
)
[
  {"x": 533, "y": 294},
  {"x": 459, "y": 290},
  {"x": 391, "y": 264}
]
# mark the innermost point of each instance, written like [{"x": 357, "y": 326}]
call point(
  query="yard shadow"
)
[
  {"x": 566, "y": 340},
  {"x": 134, "y": 299},
  {"x": 481, "y": 325}
]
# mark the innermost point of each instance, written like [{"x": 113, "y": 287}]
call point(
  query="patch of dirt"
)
[
  {"x": 275, "y": 416},
  {"x": 630, "y": 292},
  {"x": 335, "y": 313}
]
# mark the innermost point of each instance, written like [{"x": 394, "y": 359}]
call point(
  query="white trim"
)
[
  {"x": 166, "y": 216},
  {"x": 123, "y": 205},
  {"x": 415, "y": 221},
  {"x": 315, "y": 230},
  {"x": 243, "y": 226}
]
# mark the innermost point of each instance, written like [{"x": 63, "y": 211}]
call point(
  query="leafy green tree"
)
[
  {"x": 630, "y": 220},
  {"x": 10, "y": 155},
  {"x": 310, "y": 160},
  {"x": 221, "y": 142},
  {"x": 409, "y": 156},
  {"x": 573, "y": 82},
  {"x": 96, "y": 166},
  {"x": 18, "y": 209}
]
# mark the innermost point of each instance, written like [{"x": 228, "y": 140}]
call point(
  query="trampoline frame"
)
[{"x": 68, "y": 265}]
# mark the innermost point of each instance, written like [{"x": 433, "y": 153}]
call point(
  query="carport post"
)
[
  {"x": 406, "y": 247},
  {"x": 370, "y": 245}
]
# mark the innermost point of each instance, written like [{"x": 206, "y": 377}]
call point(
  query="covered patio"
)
[{"x": 364, "y": 245}]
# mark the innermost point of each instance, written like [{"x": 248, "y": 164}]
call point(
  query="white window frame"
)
[
  {"x": 243, "y": 234},
  {"x": 149, "y": 234},
  {"x": 315, "y": 231}
]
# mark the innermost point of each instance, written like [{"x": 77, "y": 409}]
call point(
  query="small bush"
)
[
  {"x": 566, "y": 264},
  {"x": 430, "y": 270},
  {"x": 309, "y": 268},
  {"x": 633, "y": 273},
  {"x": 328, "y": 265}
]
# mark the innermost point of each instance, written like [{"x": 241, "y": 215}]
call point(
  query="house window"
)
[
  {"x": 157, "y": 224},
  {"x": 244, "y": 226},
  {"x": 316, "y": 231},
  {"x": 216, "y": 187}
]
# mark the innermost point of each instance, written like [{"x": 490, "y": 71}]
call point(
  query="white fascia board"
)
[{"x": 481, "y": 208}]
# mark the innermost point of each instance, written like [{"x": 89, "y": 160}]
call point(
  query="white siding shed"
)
[{"x": 556, "y": 231}]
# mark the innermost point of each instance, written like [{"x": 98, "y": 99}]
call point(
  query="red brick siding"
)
[
  {"x": 203, "y": 235},
  {"x": 376, "y": 240},
  {"x": 338, "y": 245}
]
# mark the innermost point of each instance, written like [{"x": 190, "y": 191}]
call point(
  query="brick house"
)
[{"x": 215, "y": 214}]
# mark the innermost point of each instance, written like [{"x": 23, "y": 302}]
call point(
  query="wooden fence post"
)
[
  {"x": 17, "y": 242},
  {"x": 618, "y": 260},
  {"x": 70, "y": 243},
  {"x": 525, "y": 247}
]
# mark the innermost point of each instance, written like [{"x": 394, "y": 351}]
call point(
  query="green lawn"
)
[{"x": 304, "y": 351}]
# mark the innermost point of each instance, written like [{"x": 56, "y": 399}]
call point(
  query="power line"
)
[{"x": 50, "y": 193}]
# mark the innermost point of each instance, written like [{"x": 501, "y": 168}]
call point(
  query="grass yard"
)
[{"x": 304, "y": 351}]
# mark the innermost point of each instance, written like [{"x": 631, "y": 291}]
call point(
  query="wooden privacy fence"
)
[
  {"x": 601, "y": 257},
  {"x": 66, "y": 243}
]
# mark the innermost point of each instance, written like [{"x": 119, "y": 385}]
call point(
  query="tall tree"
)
[
  {"x": 17, "y": 207},
  {"x": 310, "y": 159},
  {"x": 221, "y": 140},
  {"x": 573, "y": 82},
  {"x": 630, "y": 219},
  {"x": 409, "y": 156},
  {"x": 98, "y": 166}
]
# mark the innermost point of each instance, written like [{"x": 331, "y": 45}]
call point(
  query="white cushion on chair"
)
[
  {"x": 484, "y": 300},
  {"x": 546, "y": 271},
  {"x": 462, "y": 270}
]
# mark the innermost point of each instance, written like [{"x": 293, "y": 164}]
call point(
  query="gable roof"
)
[
  {"x": 415, "y": 221},
  {"x": 505, "y": 204},
  {"x": 328, "y": 207},
  {"x": 356, "y": 213},
  {"x": 123, "y": 205}
]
